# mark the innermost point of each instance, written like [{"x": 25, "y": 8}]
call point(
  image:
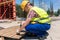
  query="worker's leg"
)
[{"x": 38, "y": 29}]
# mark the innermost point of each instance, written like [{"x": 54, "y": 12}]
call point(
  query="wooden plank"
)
[
  {"x": 6, "y": 2},
  {"x": 18, "y": 36},
  {"x": 11, "y": 33},
  {"x": 5, "y": 30}
]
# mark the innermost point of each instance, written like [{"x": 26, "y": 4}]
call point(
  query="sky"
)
[{"x": 46, "y": 3}]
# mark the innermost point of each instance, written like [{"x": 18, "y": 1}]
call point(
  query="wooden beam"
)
[
  {"x": 11, "y": 33},
  {"x": 5, "y": 2}
]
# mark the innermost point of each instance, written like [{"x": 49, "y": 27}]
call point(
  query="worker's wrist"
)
[{"x": 17, "y": 32}]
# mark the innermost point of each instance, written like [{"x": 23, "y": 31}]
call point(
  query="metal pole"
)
[
  {"x": 14, "y": 10},
  {"x": 51, "y": 8},
  {"x": 33, "y": 2}
]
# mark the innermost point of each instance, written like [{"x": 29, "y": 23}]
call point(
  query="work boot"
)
[{"x": 30, "y": 34}]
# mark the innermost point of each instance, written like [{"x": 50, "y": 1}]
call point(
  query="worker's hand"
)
[
  {"x": 23, "y": 22},
  {"x": 18, "y": 32}
]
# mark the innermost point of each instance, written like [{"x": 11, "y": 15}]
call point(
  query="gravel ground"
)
[
  {"x": 9, "y": 24},
  {"x": 54, "y": 32}
]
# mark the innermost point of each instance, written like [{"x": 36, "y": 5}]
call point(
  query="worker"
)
[{"x": 37, "y": 21}]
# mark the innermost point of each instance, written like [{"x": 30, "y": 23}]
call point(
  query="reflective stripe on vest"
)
[{"x": 43, "y": 20}]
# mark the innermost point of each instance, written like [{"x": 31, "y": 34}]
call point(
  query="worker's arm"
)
[
  {"x": 25, "y": 24},
  {"x": 29, "y": 17}
]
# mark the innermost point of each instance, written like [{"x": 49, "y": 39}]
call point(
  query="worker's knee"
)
[
  {"x": 48, "y": 27},
  {"x": 27, "y": 28}
]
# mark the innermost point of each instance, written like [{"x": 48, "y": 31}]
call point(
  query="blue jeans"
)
[{"x": 38, "y": 29}]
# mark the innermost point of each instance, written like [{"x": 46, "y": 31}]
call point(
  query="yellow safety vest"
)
[{"x": 43, "y": 16}]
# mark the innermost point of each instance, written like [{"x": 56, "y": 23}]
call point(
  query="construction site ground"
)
[{"x": 54, "y": 32}]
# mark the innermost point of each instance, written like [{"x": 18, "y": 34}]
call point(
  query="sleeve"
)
[{"x": 31, "y": 14}]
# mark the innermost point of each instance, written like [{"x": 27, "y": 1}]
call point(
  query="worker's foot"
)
[
  {"x": 43, "y": 36},
  {"x": 30, "y": 34}
]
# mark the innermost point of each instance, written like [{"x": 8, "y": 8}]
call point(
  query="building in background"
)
[{"x": 7, "y": 9}]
